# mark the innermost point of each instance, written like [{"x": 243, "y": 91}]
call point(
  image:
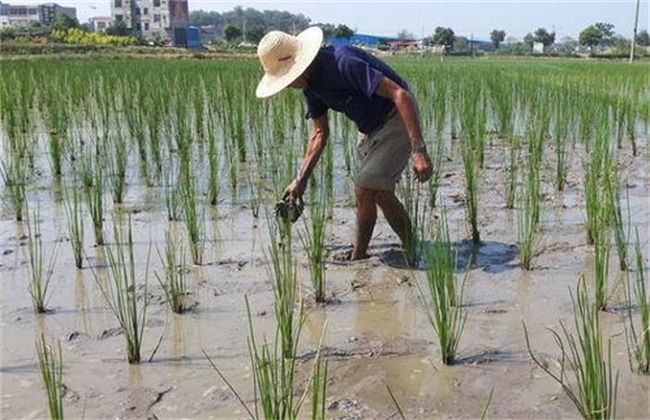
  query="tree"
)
[
  {"x": 643, "y": 39},
  {"x": 231, "y": 32},
  {"x": 63, "y": 22},
  {"x": 529, "y": 40},
  {"x": 590, "y": 37},
  {"x": 445, "y": 37},
  {"x": 606, "y": 32},
  {"x": 254, "y": 34},
  {"x": 118, "y": 28},
  {"x": 543, "y": 36},
  {"x": 342, "y": 31},
  {"x": 497, "y": 37}
]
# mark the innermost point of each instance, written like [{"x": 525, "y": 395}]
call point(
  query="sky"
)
[{"x": 470, "y": 18}]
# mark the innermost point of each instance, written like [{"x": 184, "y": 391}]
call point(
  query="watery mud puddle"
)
[{"x": 376, "y": 331}]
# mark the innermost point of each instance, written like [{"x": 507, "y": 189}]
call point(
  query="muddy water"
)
[{"x": 376, "y": 333}]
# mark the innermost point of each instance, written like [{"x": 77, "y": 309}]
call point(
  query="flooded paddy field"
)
[{"x": 182, "y": 153}]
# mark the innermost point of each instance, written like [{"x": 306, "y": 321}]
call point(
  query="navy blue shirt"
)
[{"x": 344, "y": 78}]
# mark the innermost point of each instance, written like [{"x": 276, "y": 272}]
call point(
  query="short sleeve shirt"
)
[{"x": 344, "y": 78}]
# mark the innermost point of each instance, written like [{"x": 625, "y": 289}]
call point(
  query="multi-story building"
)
[
  {"x": 166, "y": 18},
  {"x": 17, "y": 15},
  {"x": 21, "y": 15},
  {"x": 48, "y": 12}
]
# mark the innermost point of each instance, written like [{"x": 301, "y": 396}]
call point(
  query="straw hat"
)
[{"x": 284, "y": 57}]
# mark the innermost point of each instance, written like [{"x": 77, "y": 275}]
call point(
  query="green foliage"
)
[
  {"x": 445, "y": 37},
  {"x": 643, "y": 39},
  {"x": 343, "y": 31},
  {"x": 254, "y": 34},
  {"x": 232, "y": 32},
  {"x": 77, "y": 36},
  {"x": 63, "y": 22},
  {"x": 497, "y": 37},
  {"x": 118, "y": 28},
  {"x": 545, "y": 37},
  {"x": 590, "y": 36}
]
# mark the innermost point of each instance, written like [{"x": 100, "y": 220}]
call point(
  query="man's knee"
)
[{"x": 365, "y": 196}]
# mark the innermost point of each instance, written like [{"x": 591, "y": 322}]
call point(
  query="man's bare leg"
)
[
  {"x": 395, "y": 214},
  {"x": 366, "y": 219}
]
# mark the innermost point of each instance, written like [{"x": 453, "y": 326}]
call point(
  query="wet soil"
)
[{"x": 376, "y": 331}]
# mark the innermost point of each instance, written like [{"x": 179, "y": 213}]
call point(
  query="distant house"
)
[{"x": 100, "y": 23}]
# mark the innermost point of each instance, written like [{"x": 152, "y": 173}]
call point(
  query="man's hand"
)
[
  {"x": 295, "y": 190},
  {"x": 422, "y": 165}
]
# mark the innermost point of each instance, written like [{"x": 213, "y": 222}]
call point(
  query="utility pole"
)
[{"x": 636, "y": 25}]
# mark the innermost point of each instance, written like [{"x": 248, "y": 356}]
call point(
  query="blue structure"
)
[
  {"x": 361, "y": 39},
  {"x": 193, "y": 37}
]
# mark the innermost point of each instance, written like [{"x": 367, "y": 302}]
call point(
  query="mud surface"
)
[{"x": 377, "y": 333}]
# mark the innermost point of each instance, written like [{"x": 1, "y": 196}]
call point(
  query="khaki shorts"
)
[{"x": 383, "y": 155}]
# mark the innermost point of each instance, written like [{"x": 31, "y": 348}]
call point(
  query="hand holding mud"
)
[{"x": 422, "y": 165}]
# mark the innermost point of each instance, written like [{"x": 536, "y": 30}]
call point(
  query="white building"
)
[
  {"x": 22, "y": 15},
  {"x": 17, "y": 15},
  {"x": 151, "y": 17}
]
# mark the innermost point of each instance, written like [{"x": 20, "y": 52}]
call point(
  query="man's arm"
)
[
  {"x": 407, "y": 109},
  {"x": 317, "y": 142}
]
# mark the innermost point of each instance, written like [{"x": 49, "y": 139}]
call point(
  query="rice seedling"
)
[
  {"x": 14, "y": 178},
  {"x": 319, "y": 386},
  {"x": 172, "y": 194},
  {"x": 274, "y": 391},
  {"x": 471, "y": 190},
  {"x": 437, "y": 156},
  {"x": 50, "y": 363},
  {"x": 173, "y": 279},
  {"x": 121, "y": 292},
  {"x": 284, "y": 281},
  {"x": 194, "y": 218},
  {"x": 593, "y": 388},
  {"x": 488, "y": 402},
  {"x": 527, "y": 230},
  {"x": 621, "y": 234},
  {"x": 314, "y": 242},
  {"x": 560, "y": 134},
  {"x": 395, "y": 403},
  {"x": 473, "y": 126},
  {"x": 40, "y": 274},
  {"x": 445, "y": 310},
  {"x": 212, "y": 157},
  {"x": 75, "y": 222},
  {"x": 601, "y": 235},
  {"x": 117, "y": 155},
  {"x": 92, "y": 177},
  {"x": 418, "y": 212},
  {"x": 638, "y": 338}
]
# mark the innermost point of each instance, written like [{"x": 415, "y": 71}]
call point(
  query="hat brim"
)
[{"x": 311, "y": 40}]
